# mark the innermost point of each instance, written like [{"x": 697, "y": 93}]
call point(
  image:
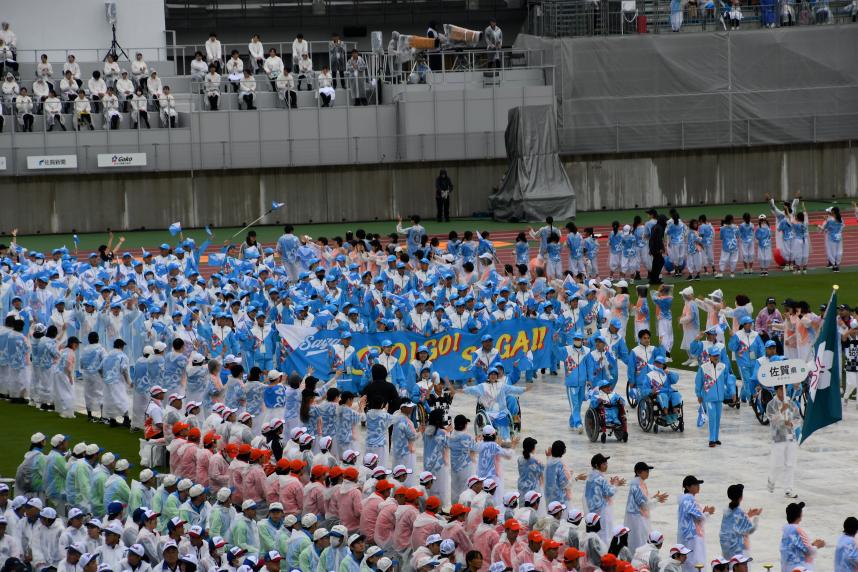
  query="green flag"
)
[{"x": 823, "y": 403}]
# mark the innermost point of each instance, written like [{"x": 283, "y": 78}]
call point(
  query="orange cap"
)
[
  {"x": 178, "y": 427},
  {"x": 319, "y": 470},
  {"x": 433, "y": 503},
  {"x": 609, "y": 560},
  {"x": 490, "y": 512},
  {"x": 297, "y": 465},
  {"x": 232, "y": 449},
  {"x": 350, "y": 473},
  {"x": 459, "y": 509},
  {"x": 383, "y": 485},
  {"x": 400, "y": 491},
  {"x": 194, "y": 434},
  {"x": 283, "y": 464},
  {"x": 572, "y": 553},
  {"x": 211, "y": 437},
  {"x": 335, "y": 472},
  {"x": 512, "y": 524},
  {"x": 413, "y": 494},
  {"x": 535, "y": 536},
  {"x": 244, "y": 449},
  {"x": 549, "y": 544},
  {"x": 256, "y": 454}
]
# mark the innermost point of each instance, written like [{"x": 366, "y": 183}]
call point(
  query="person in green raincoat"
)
[
  {"x": 56, "y": 471},
  {"x": 30, "y": 473},
  {"x": 142, "y": 492},
  {"x": 100, "y": 474},
  {"x": 116, "y": 487},
  {"x": 244, "y": 532},
  {"x": 269, "y": 528},
  {"x": 222, "y": 514},
  {"x": 174, "y": 500}
]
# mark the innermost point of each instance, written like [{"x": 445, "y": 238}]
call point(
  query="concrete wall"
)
[
  {"x": 355, "y": 193},
  {"x": 53, "y": 27}
]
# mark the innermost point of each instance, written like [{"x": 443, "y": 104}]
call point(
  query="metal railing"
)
[{"x": 585, "y": 18}]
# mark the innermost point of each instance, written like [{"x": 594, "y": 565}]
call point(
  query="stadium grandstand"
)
[{"x": 193, "y": 106}]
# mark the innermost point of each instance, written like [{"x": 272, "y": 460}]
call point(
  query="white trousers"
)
[
  {"x": 728, "y": 261},
  {"x": 834, "y": 251},
  {"x": 783, "y": 463},
  {"x": 851, "y": 384}
]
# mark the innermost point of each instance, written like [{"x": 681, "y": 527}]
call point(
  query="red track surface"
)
[{"x": 504, "y": 240}]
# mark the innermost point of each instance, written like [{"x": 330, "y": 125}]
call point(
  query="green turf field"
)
[
  {"x": 20, "y": 421},
  {"x": 268, "y": 234}
]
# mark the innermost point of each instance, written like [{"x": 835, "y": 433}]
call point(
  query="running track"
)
[{"x": 504, "y": 241}]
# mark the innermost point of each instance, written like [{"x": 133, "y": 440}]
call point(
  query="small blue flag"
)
[
  {"x": 217, "y": 259},
  {"x": 209, "y": 231},
  {"x": 76, "y": 239},
  {"x": 701, "y": 416},
  {"x": 275, "y": 205},
  {"x": 175, "y": 228}
]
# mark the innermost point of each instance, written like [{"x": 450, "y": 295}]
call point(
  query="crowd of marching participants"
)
[{"x": 270, "y": 464}]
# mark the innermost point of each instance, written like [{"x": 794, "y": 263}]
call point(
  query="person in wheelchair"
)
[
  {"x": 659, "y": 383},
  {"x": 610, "y": 407},
  {"x": 493, "y": 399},
  {"x": 639, "y": 360},
  {"x": 760, "y": 394}
]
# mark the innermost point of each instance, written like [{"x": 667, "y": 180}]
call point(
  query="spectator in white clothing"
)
[
  {"x": 234, "y": 69},
  {"x": 97, "y": 90},
  {"x": 41, "y": 89},
  {"x": 286, "y": 89},
  {"x": 68, "y": 88},
  {"x": 82, "y": 111},
  {"x": 124, "y": 90},
  {"x": 53, "y": 111},
  {"x": 111, "y": 110},
  {"x": 299, "y": 48},
  {"x": 71, "y": 64},
  {"x": 273, "y": 67},
  {"x": 111, "y": 70},
  {"x": 24, "y": 110},
  {"x": 326, "y": 92},
  {"x": 9, "y": 38},
  {"x": 155, "y": 88},
  {"x": 139, "y": 70},
  {"x": 305, "y": 71},
  {"x": 199, "y": 68},
  {"x": 7, "y": 59},
  {"x": 212, "y": 87},
  {"x": 214, "y": 51},
  {"x": 169, "y": 114},
  {"x": 139, "y": 107},
  {"x": 9, "y": 89},
  {"x": 257, "y": 52},
  {"x": 45, "y": 69},
  {"x": 247, "y": 90}
]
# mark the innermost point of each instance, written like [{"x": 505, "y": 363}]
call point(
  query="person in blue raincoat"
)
[
  {"x": 704, "y": 341},
  {"x": 344, "y": 360},
  {"x": 174, "y": 372},
  {"x": 603, "y": 362},
  {"x": 599, "y": 492},
  {"x": 494, "y": 397},
  {"x": 711, "y": 385},
  {"x": 578, "y": 375},
  {"x": 659, "y": 382},
  {"x": 640, "y": 358},
  {"x": 612, "y": 406},
  {"x": 483, "y": 359},
  {"x": 261, "y": 344},
  {"x": 736, "y": 524},
  {"x": 747, "y": 346}
]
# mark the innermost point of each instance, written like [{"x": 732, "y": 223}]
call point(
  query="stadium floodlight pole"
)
[{"x": 274, "y": 206}]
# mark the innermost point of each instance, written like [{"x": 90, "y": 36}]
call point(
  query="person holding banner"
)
[{"x": 578, "y": 374}]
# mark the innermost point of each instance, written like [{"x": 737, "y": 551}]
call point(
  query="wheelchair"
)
[
  {"x": 481, "y": 419},
  {"x": 597, "y": 426},
  {"x": 759, "y": 402},
  {"x": 631, "y": 395},
  {"x": 652, "y": 416}
]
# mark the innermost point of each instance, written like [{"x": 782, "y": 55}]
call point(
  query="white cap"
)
[
  {"x": 159, "y": 346},
  {"x": 531, "y": 497},
  {"x": 490, "y": 484},
  {"x": 35, "y": 502},
  {"x": 275, "y": 506},
  {"x": 122, "y": 465},
  {"x": 325, "y": 442},
  {"x": 620, "y": 530},
  {"x": 58, "y": 439},
  {"x": 113, "y": 527},
  {"x": 591, "y": 518},
  {"x": 289, "y": 520},
  {"x": 472, "y": 480},
  {"x": 185, "y": 484},
  {"x": 355, "y": 537},
  {"x": 350, "y": 455},
  {"x": 170, "y": 480},
  {"x": 137, "y": 549},
  {"x": 248, "y": 504},
  {"x": 372, "y": 551},
  {"x": 274, "y": 375},
  {"x": 425, "y": 477},
  {"x": 679, "y": 549},
  {"x": 108, "y": 458},
  {"x": 223, "y": 494},
  {"x": 37, "y": 438},
  {"x": 169, "y": 544},
  {"x": 48, "y": 513},
  {"x": 448, "y": 547},
  {"x": 77, "y": 547},
  {"x": 370, "y": 459},
  {"x": 510, "y": 497},
  {"x": 574, "y": 515},
  {"x": 655, "y": 537},
  {"x": 433, "y": 538},
  {"x": 79, "y": 449},
  {"x": 309, "y": 520},
  {"x": 146, "y": 475},
  {"x": 197, "y": 358},
  {"x": 527, "y": 567},
  {"x": 197, "y": 490},
  {"x": 428, "y": 560},
  {"x": 320, "y": 533},
  {"x": 74, "y": 512},
  {"x": 384, "y": 564},
  {"x": 556, "y": 507},
  {"x": 148, "y": 350},
  {"x": 297, "y": 432},
  {"x": 488, "y": 431}
]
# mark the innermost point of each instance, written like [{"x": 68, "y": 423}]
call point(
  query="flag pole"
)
[{"x": 268, "y": 212}]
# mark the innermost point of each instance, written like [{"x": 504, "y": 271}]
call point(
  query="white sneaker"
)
[
  {"x": 791, "y": 494},
  {"x": 770, "y": 485},
  {"x": 580, "y": 429},
  {"x": 718, "y": 275},
  {"x": 732, "y": 275}
]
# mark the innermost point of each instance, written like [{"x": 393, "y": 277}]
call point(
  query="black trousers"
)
[
  {"x": 657, "y": 266},
  {"x": 443, "y": 206}
]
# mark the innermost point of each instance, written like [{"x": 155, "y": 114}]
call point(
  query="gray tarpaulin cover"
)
[{"x": 535, "y": 184}]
